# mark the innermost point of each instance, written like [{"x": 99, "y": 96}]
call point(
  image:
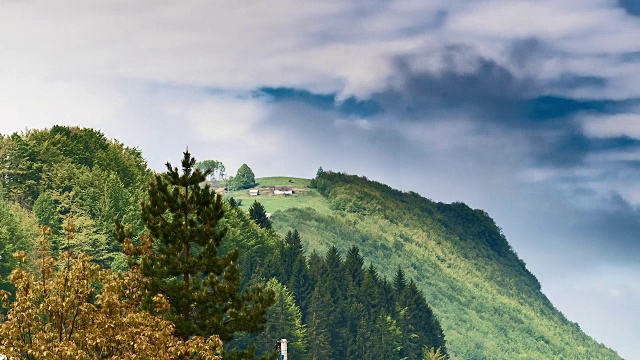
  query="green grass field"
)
[
  {"x": 273, "y": 203},
  {"x": 283, "y": 181}
]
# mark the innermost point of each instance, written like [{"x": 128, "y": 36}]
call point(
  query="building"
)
[
  {"x": 254, "y": 192},
  {"x": 282, "y": 190}
]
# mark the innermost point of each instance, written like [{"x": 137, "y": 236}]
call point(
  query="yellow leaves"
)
[{"x": 70, "y": 308}]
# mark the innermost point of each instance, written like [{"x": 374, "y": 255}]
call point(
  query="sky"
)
[{"x": 528, "y": 109}]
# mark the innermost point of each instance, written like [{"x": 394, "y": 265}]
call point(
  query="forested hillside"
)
[
  {"x": 329, "y": 304},
  {"x": 489, "y": 304},
  {"x": 50, "y": 174}
]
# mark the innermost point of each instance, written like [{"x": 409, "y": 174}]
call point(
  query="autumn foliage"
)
[{"x": 71, "y": 308}]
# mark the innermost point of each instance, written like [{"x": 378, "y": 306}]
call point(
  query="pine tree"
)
[
  {"x": 285, "y": 322},
  {"x": 422, "y": 319},
  {"x": 301, "y": 285},
  {"x": 319, "y": 329},
  {"x": 331, "y": 285},
  {"x": 353, "y": 264},
  {"x": 259, "y": 215},
  {"x": 290, "y": 250},
  {"x": 180, "y": 258},
  {"x": 399, "y": 283},
  {"x": 355, "y": 312},
  {"x": 386, "y": 338}
]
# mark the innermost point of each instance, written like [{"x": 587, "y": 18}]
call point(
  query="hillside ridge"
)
[{"x": 489, "y": 303}]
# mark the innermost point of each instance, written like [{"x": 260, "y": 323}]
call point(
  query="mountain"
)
[
  {"x": 489, "y": 304},
  {"x": 360, "y": 270}
]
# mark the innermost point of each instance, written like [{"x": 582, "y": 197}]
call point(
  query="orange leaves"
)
[{"x": 70, "y": 308}]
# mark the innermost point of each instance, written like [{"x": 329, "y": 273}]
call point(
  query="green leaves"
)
[{"x": 244, "y": 178}]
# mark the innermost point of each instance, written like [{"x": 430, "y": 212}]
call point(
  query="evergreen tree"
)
[
  {"x": 181, "y": 261},
  {"x": 422, "y": 319},
  {"x": 332, "y": 285},
  {"x": 285, "y": 322},
  {"x": 259, "y": 215},
  {"x": 290, "y": 251},
  {"x": 315, "y": 264},
  {"x": 410, "y": 341},
  {"x": 301, "y": 285},
  {"x": 355, "y": 312},
  {"x": 399, "y": 283},
  {"x": 353, "y": 264},
  {"x": 386, "y": 339},
  {"x": 319, "y": 327}
]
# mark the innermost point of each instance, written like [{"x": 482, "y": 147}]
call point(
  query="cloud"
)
[
  {"x": 37, "y": 103},
  {"x": 523, "y": 108},
  {"x": 630, "y": 6},
  {"x": 585, "y": 292},
  {"x": 620, "y": 125}
]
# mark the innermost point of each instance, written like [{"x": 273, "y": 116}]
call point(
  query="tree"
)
[
  {"x": 244, "y": 178},
  {"x": 70, "y": 308},
  {"x": 433, "y": 354},
  {"x": 319, "y": 334},
  {"x": 180, "y": 258},
  {"x": 218, "y": 171},
  {"x": 46, "y": 211},
  {"x": 285, "y": 322},
  {"x": 258, "y": 213},
  {"x": 18, "y": 231}
]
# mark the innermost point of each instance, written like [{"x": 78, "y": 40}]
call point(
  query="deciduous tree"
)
[
  {"x": 71, "y": 308},
  {"x": 244, "y": 178}
]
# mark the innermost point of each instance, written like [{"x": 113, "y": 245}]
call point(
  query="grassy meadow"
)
[{"x": 272, "y": 203}]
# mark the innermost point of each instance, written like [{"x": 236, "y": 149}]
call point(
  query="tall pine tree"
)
[
  {"x": 180, "y": 257},
  {"x": 259, "y": 215}
]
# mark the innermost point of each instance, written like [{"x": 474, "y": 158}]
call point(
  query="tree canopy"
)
[
  {"x": 244, "y": 178},
  {"x": 216, "y": 168}
]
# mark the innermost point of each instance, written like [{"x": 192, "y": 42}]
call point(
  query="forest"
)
[{"x": 103, "y": 258}]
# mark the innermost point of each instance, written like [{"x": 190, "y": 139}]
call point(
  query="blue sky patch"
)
[{"x": 349, "y": 106}]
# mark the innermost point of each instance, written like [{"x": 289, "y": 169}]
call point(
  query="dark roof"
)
[{"x": 283, "y": 188}]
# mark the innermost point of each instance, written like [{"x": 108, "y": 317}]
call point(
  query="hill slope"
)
[{"x": 489, "y": 304}]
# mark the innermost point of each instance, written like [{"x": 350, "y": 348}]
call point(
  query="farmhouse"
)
[
  {"x": 282, "y": 190},
  {"x": 254, "y": 192}
]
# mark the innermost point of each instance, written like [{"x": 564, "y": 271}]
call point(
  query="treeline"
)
[{"x": 472, "y": 232}]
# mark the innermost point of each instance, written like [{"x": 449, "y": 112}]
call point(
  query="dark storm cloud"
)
[
  {"x": 632, "y": 7},
  {"x": 572, "y": 81},
  {"x": 614, "y": 230},
  {"x": 490, "y": 88},
  {"x": 349, "y": 106},
  {"x": 494, "y": 95}
]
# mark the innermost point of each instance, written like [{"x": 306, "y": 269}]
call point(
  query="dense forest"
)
[{"x": 73, "y": 182}]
